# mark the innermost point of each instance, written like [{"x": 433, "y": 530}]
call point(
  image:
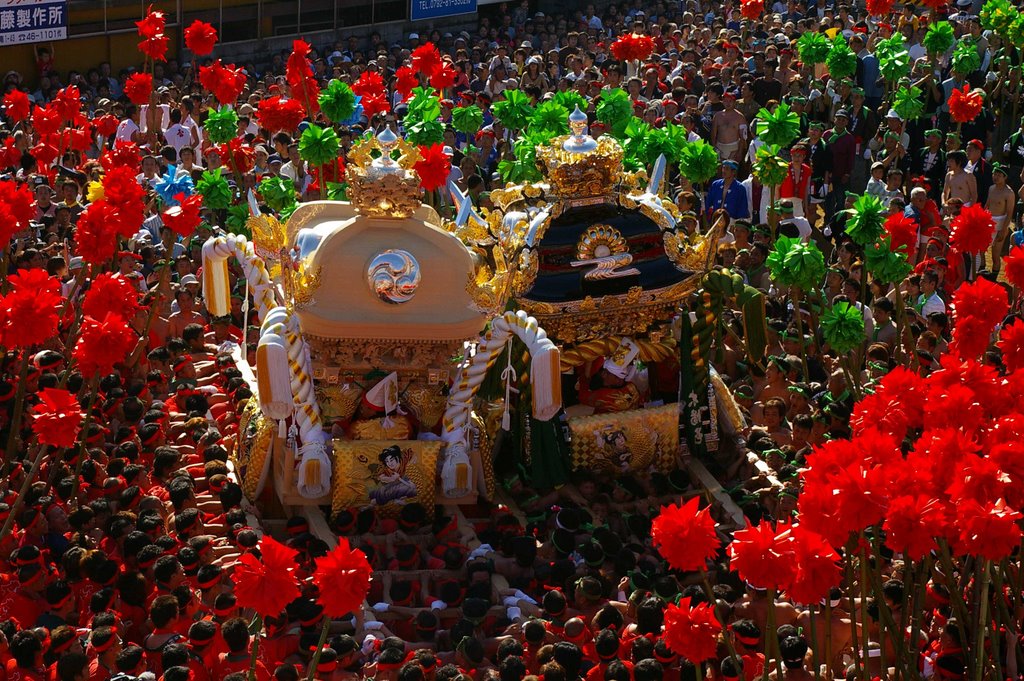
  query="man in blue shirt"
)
[{"x": 728, "y": 193}]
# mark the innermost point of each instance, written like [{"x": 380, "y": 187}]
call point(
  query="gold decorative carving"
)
[
  {"x": 580, "y": 174},
  {"x": 381, "y": 187},
  {"x": 600, "y": 241},
  {"x": 304, "y": 286},
  {"x": 269, "y": 236},
  {"x": 390, "y": 196},
  {"x": 631, "y": 313},
  {"x": 526, "y": 272},
  {"x": 411, "y": 359}
]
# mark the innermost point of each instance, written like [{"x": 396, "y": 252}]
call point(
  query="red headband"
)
[{"x": 103, "y": 647}]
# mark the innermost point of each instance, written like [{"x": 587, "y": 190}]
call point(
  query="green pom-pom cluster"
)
[
  {"x": 866, "y": 220},
  {"x": 214, "y": 189},
  {"x": 319, "y": 146},
  {"x": 843, "y": 327},
  {"x": 794, "y": 263},
  {"x": 337, "y": 101},
  {"x": 221, "y": 125}
]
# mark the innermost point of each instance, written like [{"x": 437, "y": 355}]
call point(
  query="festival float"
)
[{"x": 404, "y": 358}]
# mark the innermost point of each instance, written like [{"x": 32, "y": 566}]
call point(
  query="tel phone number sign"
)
[
  {"x": 32, "y": 21},
  {"x": 433, "y": 9}
]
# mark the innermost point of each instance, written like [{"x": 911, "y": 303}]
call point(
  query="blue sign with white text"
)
[
  {"x": 32, "y": 21},
  {"x": 433, "y": 9}
]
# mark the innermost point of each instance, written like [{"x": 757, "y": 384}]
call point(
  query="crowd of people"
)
[{"x": 116, "y": 555}]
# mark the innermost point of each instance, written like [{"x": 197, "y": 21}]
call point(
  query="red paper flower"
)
[
  {"x": 880, "y": 8},
  {"x": 16, "y": 106},
  {"x": 80, "y": 138},
  {"x": 30, "y": 310},
  {"x": 297, "y": 67},
  {"x": 127, "y": 197},
  {"x": 106, "y": 125},
  {"x": 124, "y": 154},
  {"x": 184, "y": 218},
  {"x": 224, "y": 82},
  {"x": 405, "y": 80},
  {"x": 10, "y": 154},
  {"x": 692, "y": 632},
  {"x": 45, "y": 154},
  {"x": 817, "y": 512},
  {"x": 200, "y": 38},
  {"x": 685, "y": 535},
  {"x": 374, "y": 104},
  {"x": 138, "y": 88},
  {"x": 1011, "y": 344},
  {"x": 911, "y": 524},
  {"x": 937, "y": 455},
  {"x": 111, "y": 294},
  {"x": 847, "y": 501},
  {"x": 989, "y": 531},
  {"x": 102, "y": 344},
  {"x": 433, "y": 167},
  {"x": 333, "y": 172},
  {"x": 978, "y": 307},
  {"x": 266, "y": 584},
  {"x": 18, "y": 200},
  {"x": 1013, "y": 265},
  {"x": 46, "y": 120},
  {"x": 444, "y": 77},
  {"x": 752, "y": 9},
  {"x": 632, "y": 47},
  {"x": 57, "y": 418},
  {"x": 236, "y": 156},
  {"x": 343, "y": 577},
  {"x": 896, "y": 405},
  {"x": 972, "y": 229},
  {"x": 426, "y": 59},
  {"x": 276, "y": 114},
  {"x": 987, "y": 388},
  {"x": 368, "y": 84},
  {"x": 964, "y": 104},
  {"x": 153, "y": 24},
  {"x": 816, "y": 562},
  {"x": 96, "y": 232},
  {"x": 761, "y": 557},
  {"x": 902, "y": 232},
  {"x": 307, "y": 90},
  {"x": 68, "y": 102},
  {"x": 1008, "y": 458},
  {"x": 155, "y": 48}
]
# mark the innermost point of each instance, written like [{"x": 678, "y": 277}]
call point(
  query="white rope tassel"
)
[
  {"x": 245, "y": 321},
  {"x": 508, "y": 375}
]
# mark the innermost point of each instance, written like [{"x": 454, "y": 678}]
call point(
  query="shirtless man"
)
[
  {"x": 186, "y": 314},
  {"x": 775, "y": 384},
  {"x": 959, "y": 183},
  {"x": 729, "y": 130},
  {"x": 838, "y": 625},
  {"x": 754, "y": 606},
  {"x": 1000, "y": 203}
]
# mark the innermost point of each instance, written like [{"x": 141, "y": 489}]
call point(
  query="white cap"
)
[
  {"x": 188, "y": 280},
  {"x": 414, "y": 36},
  {"x": 892, "y": 114}
]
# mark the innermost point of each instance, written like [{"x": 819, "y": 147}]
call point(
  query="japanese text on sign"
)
[
  {"x": 32, "y": 21},
  {"x": 432, "y": 9}
]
